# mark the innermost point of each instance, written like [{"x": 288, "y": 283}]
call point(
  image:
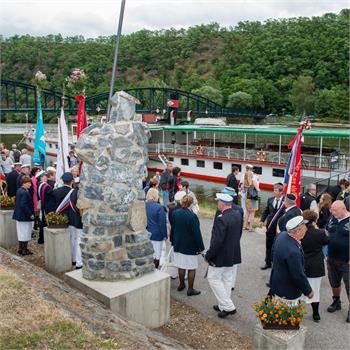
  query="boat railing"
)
[{"x": 278, "y": 158}]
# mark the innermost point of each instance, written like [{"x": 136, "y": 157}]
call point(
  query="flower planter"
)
[
  {"x": 57, "y": 225},
  {"x": 280, "y": 327}
]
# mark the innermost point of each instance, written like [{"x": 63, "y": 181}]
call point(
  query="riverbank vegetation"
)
[{"x": 286, "y": 66}]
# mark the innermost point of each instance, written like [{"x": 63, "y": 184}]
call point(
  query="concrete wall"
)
[{"x": 8, "y": 233}]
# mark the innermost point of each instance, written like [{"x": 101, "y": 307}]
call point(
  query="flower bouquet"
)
[
  {"x": 56, "y": 220},
  {"x": 40, "y": 80},
  {"x": 76, "y": 82},
  {"x": 7, "y": 203},
  {"x": 279, "y": 314}
]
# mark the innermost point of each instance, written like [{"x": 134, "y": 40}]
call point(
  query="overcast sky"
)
[{"x": 92, "y": 18}]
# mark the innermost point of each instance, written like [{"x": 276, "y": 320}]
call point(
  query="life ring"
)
[
  {"x": 261, "y": 156},
  {"x": 200, "y": 150}
]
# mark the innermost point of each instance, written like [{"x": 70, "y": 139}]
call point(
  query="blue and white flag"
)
[{"x": 39, "y": 145}]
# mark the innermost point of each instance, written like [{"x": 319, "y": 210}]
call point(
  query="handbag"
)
[{"x": 252, "y": 193}]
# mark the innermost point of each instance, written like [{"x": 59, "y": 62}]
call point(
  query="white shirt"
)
[
  {"x": 6, "y": 165},
  {"x": 25, "y": 159},
  {"x": 278, "y": 201}
]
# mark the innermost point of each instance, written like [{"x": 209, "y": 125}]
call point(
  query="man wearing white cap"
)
[
  {"x": 25, "y": 171},
  {"x": 224, "y": 253},
  {"x": 288, "y": 279}
]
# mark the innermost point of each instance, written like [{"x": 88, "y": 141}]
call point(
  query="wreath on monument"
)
[{"x": 76, "y": 82}]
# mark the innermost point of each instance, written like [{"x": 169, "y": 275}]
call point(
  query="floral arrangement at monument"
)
[
  {"x": 7, "y": 202},
  {"x": 56, "y": 220},
  {"x": 279, "y": 314},
  {"x": 76, "y": 82}
]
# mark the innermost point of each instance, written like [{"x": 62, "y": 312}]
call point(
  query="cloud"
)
[{"x": 92, "y": 18}]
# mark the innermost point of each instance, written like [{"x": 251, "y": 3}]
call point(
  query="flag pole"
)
[
  {"x": 115, "y": 62},
  {"x": 61, "y": 140}
]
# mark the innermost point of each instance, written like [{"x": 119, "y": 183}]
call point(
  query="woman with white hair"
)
[{"x": 156, "y": 223}]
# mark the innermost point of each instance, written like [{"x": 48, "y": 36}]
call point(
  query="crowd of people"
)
[
  {"x": 36, "y": 195},
  {"x": 299, "y": 239}
]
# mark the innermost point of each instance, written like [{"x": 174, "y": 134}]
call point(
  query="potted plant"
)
[
  {"x": 56, "y": 220},
  {"x": 7, "y": 203},
  {"x": 279, "y": 314}
]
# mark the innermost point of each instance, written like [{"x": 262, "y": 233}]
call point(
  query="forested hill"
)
[{"x": 289, "y": 65}]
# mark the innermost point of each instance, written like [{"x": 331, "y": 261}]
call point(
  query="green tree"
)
[
  {"x": 240, "y": 99},
  {"x": 302, "y": 95},
  {"x": 210, "y": 93}
]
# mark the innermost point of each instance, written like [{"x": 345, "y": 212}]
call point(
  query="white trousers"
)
[
  {"x": 75, "y": 239},
  {"x": 234, "y": 275},
  {"x": 220, "y": 281}
]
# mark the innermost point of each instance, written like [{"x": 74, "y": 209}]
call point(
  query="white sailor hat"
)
[
  {"x": 40, "y": 173},
  {"x": 36, "y": 164},
  {"x": 50, "y": 168},
  {"x": 249, "y": 166},
  {"x": 25, "y": 166},
  {"x": 295, "y": 222},
  {"x": 230, "y": 191},
  {"x": 17, "y": 164},
  {"x": 224, "y": 197},
  {"x": 179, "y": 195}
]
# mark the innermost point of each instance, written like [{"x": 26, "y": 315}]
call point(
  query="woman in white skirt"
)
[
  {"x": 188, "y": 243},
  {"x": 312, "y": 244},
  {"x": 156, "y": 223},
  {"x": 24, "y": 215}
]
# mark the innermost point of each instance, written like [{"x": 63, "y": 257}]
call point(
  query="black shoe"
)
[
  {"x": 348, "y": 318},
  {"x": 316, "y": 317},
  {"x": 216, "y": 308},
  {"x": 180, "y": 288},
  {"x": 336, "y": 305},
  {"x": 21, "y": 252},
  {"x": 265, "y": 267},
  {"x": 223, "y": 313},
  {"x": 192, "y": 292},
  {"x": 28, "y": 252},
  {"x": 78, "y": 267}
]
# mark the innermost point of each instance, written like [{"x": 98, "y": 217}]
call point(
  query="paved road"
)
[{"x": 332, "y": 333}]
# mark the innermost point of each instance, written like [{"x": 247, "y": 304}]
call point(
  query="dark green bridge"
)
[{"x": 17, "y": 97}]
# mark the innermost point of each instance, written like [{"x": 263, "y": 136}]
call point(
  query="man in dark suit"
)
[
  {"x": 273, "y": 204},
  {"x": 290, "y": 211},
  {"x": 11, "y": 179},
  {"x": 288, "y": 279},
  {"x": 61, "y": 192},
  {"x": 232, "y": 182},
  {"x": 308, "y": 199},
  {"x": 224, "y": 254}
]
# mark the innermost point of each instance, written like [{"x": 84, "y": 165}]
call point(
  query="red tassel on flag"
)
[{"x": 82, "y": 122}]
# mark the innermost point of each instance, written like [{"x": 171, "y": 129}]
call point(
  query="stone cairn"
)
[{"x": 115, "y": 245}]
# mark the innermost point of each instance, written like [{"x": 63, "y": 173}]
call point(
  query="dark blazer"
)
[
  {"x": 270, "y": 211},
  {"x": 312, "y": 244},
  {"x": 156, "y": 220},
  {"x": 48, "y": 203},
  {"x": 172, "y": 210},
  {"x": 290, "y": 214},
  {"x": 233, "y": 183},
  {"x": 288, "y": 278},
  {"x": 59, "y": 194},
  {"x": 187, "y": 234},
  {"x": 323, "y": 217},
  {"x": 11, "y": 181},
  {"x": 225, "y": 248},
  {"x": 73, "y": 213},
  {"x": 24, "y": 207}
]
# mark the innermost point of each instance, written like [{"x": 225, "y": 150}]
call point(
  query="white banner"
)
[{"x": 62, "y": 152}]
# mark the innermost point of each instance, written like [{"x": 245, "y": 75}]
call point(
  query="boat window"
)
[
  {"x": 170, "y": 159},
  {"x": 257, "y": 170},
  {"x": 239, "y": 166},
  {"x": 56, "y": 145},
  {"x": 278, "y": 172},
  {"x": 184, "y": 161},
  {"x": 50, "y": 145},
  {"x": 200, "y": 163},
  {"x": 217, "y": 165}
]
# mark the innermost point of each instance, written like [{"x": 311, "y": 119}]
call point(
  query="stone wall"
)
[{"x": 115, "y": 245}]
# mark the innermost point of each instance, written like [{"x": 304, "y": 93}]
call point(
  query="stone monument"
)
[
  {"x": 117, "y": 253},
  {"x": 116, "y": 245}
]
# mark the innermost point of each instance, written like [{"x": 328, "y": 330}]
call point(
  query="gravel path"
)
[{"x": 331, "y": 333}]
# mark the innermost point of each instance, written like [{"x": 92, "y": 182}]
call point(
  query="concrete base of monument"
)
[
  {"x": 278, "y": 339},
  {"x": 8, "y": 233},
  {"x": 145, "y": 300}
]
